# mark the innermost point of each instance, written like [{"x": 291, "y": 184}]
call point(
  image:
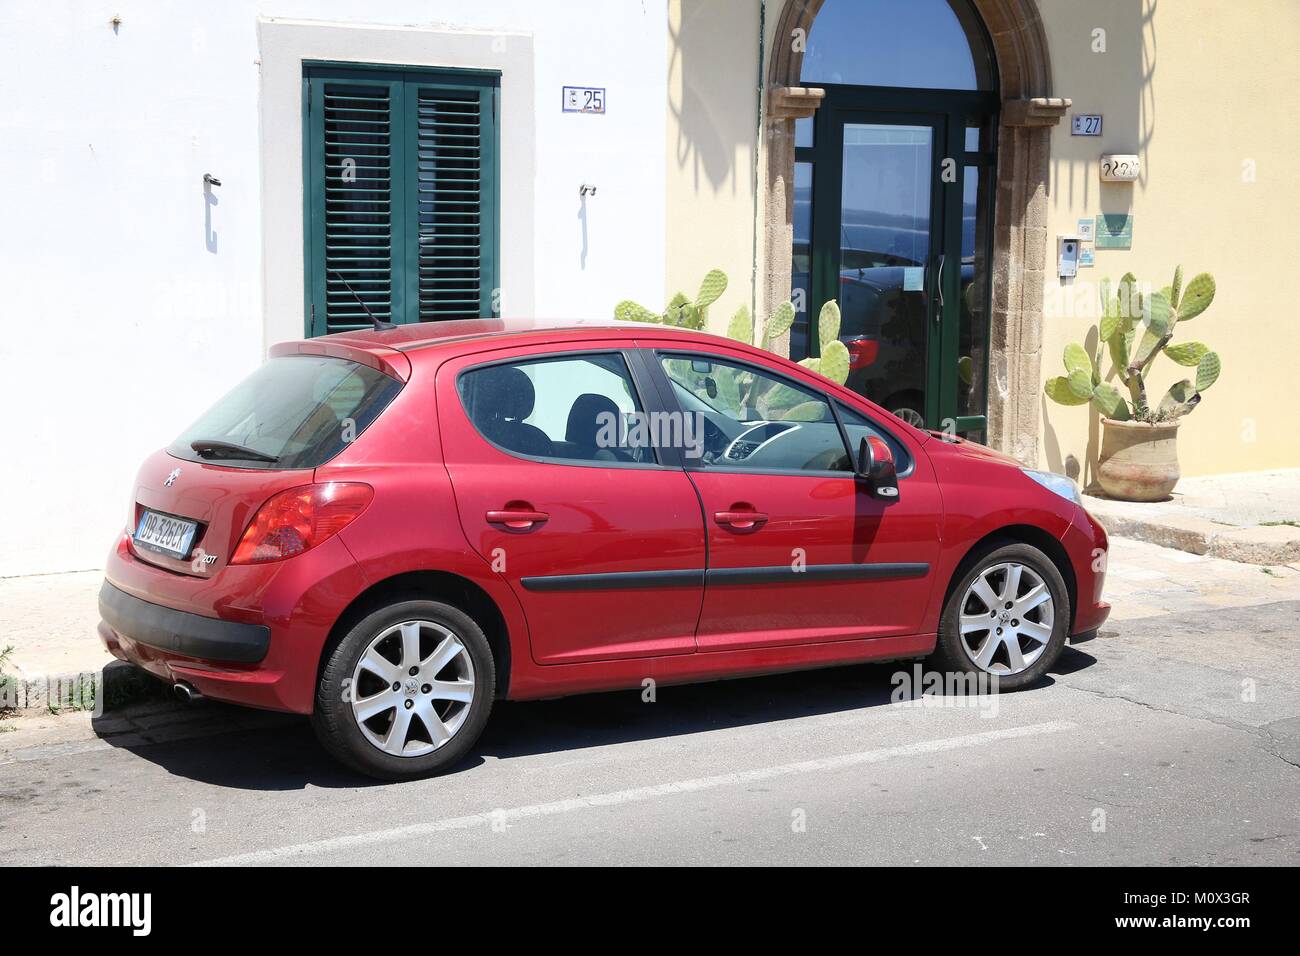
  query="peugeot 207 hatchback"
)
[{"x": 388, "y": 530}]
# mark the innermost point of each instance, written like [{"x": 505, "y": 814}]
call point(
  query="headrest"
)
[
  {"x": 503, "y": 391},
  {"x": 584, "y": 421}
]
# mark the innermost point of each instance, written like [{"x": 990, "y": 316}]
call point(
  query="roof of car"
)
[{"x": 421, "y": 335}]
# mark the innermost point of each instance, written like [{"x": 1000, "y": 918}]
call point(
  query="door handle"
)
[
  {"x": 938, "y": 286},
  {"x": 740, "y": 520},
  {"x": 519, "y": 519}
]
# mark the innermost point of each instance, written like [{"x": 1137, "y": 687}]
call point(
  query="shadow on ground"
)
[{"x": 281, "y": 753}]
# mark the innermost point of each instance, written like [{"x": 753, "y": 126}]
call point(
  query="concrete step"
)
[{"x": 1265, "y": 544}]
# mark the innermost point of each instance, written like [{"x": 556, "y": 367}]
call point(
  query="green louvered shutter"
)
[
  {"x": 401, "y": 210},
  {"x": 454, "y": 185}
]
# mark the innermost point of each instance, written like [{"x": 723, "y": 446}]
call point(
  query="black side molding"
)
[
  {"x": 780, "y": 574},
  {"x": 785, "y": 574},
  {"x": 192, "y": 635},
  {"x": 615, "y": 581}
]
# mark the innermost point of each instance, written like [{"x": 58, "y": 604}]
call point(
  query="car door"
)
[
  {"x": 601, "y": 542},
  {"x": 799, "y": 550}
]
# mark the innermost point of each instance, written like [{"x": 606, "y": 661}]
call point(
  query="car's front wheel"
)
[
  {"x": 1006, "y": 618},
  {"x": 407, "y": 690}
]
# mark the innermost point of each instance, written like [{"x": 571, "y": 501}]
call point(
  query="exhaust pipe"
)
[{"x": 186, "y": 693}]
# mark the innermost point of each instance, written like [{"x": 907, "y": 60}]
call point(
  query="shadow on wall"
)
[
  {"x": 713, "y": 128},
  {"x": 1104, "y": 58},
  {"x": 712, "y": 56},
  {"x": 210, "y": 202}
]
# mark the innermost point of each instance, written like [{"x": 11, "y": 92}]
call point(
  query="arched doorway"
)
[{"x": 907, "y": 166}]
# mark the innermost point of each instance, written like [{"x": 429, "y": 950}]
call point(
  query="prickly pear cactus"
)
[
  {"x": 684, "y": 312},
  {"x": 834, "y": 360},
  {"x": 680, "y": 311},
  {"x": 778, "y": 323},
  {"x": 1136, "y": 328},
  {"x": 741, "y": 326},
  {"x": 629, "y": 311}
]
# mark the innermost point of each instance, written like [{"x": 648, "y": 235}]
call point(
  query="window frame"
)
[
  {"x": 404, "y": 264},
  {"x": 834, "y": 401},
  {"x": 640, "y": 385}
]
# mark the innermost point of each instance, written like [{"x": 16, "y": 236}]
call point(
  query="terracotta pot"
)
[{"x": 1138, "y": 462}]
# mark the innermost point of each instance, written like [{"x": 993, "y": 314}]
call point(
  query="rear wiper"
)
[{"x": 211, "y": 448}]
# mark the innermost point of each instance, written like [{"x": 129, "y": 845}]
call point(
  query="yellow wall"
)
[
  {"x": 712, "y": 137},
  {"x": 1199, "y": 89}
]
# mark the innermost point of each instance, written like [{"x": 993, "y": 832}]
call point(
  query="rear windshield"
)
[{"x": 296, "y": 411}]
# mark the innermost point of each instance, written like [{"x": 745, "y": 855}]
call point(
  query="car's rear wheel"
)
[
  {"x": 407, "y": 691},
  {"x": 1006, "y": 618}
]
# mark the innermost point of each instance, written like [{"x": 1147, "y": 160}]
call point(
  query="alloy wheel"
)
[
  {"x": 412, "y": 688},
  {"x": 910, "y": 415},
  {"x": 1007, "y": 617}
]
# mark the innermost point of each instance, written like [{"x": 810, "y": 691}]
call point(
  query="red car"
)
[{"x": 390, "y": 529}]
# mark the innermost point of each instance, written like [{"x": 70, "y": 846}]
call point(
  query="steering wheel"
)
[{"x": 715, "y": 441}]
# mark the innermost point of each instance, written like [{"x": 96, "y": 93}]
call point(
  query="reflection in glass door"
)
[
  {"x": 891, "y": 219},
  {"x": 885, "y": 248}
]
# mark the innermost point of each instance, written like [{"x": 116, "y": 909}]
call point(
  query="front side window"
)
[
  {"x": 857, "y": 426},
  {"x": 753, "y": 420},
  {"x": 578, "y": 408}
]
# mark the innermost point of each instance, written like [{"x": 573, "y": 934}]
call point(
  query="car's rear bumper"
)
[
  {"x": 190, "y": 635},
  {"x": 249, "y": 635}
]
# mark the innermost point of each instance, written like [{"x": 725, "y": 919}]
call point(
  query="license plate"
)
[{"x": 159, "y": 532}]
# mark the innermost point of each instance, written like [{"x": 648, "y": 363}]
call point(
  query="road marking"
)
[{"x": 637, "y": 794}]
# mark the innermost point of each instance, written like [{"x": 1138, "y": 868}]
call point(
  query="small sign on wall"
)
[
  {"x": 1114, "y": 231},
  {"x": 1084, "y": 230},
  {"x": 1119, "y": 167},
  {"x": 1085, "y": 124},
  {"x": 583, "y": 99}
]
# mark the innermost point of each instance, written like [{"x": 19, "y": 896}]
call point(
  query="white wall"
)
[{"x": 133, "y": 298}]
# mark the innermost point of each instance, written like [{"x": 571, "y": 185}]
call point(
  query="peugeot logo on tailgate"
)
[{"x": 171, "y": 479}]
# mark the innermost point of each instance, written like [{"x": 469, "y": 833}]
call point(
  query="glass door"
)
[
  {"x": 891, "y": 214},
  {"x": 888, "y": 261}
]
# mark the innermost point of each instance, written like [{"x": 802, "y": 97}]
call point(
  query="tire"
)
[
  {"x": 359, "y": 713},
  {"x": 1037, "y": 631},
  {"x": 907, "y": 406}
]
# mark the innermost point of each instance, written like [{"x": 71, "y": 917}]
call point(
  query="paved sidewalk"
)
[
  {"x": 1145, "y": 580},
  {"x": 1252, "y": 517},
  {"x": 50, "y": 622}
]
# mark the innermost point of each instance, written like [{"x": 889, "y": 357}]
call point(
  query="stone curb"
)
[
  {"x": 1264, "y": 544},
  {"x": 118, "y": 684}
]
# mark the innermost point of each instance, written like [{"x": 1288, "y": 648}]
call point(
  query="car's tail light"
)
[
  {"x": 298, "y": 519},
  {"x": 862, "y": 352}
]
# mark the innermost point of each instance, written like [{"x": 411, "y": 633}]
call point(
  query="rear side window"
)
[
  {"x": 575, "y": 408},
  {"x": 296, "y": 411}
]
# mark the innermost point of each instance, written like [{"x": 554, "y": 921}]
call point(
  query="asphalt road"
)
[{"x": 1172, "y": 739}]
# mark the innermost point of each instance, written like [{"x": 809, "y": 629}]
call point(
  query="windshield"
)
[{"x": 297, "y": 411}]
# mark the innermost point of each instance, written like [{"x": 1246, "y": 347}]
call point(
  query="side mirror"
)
[{"x": 876, "y": 467}]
